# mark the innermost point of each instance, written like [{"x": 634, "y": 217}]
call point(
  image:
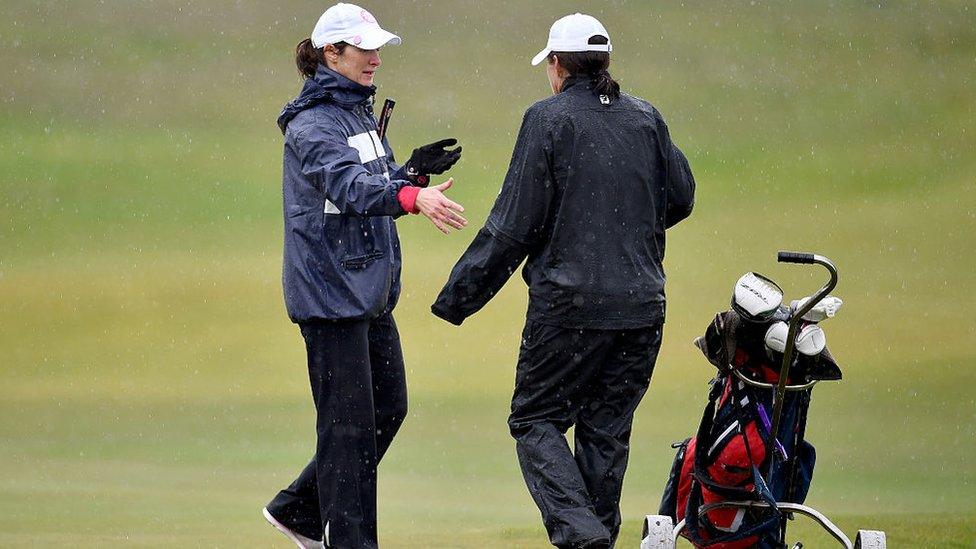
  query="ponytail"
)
[
  {"x": 604, "y": 84},
  {"x": 307, "y": 58}
]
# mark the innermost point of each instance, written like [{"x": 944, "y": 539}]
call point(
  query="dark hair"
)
[
  {"x": 308, "y": 57},
  {"x": 592, "y": 65}
]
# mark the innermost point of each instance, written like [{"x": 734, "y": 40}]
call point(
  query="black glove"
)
[{"x": 435, "y": 158}]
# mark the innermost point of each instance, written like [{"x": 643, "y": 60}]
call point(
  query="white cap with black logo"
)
[
  {"x": 573, "y": 33},
  {"x": 353, "y": 25}
]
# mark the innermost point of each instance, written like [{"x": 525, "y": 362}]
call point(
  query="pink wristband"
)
[{"x": 408, "y": 199}]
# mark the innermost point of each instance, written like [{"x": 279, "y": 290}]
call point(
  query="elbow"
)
[
  {"x": 344, "y": 205},
  {"x": 678, "y": 213}
]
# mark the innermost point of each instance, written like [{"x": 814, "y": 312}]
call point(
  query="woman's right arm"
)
[{"x": 517, "y": 224}]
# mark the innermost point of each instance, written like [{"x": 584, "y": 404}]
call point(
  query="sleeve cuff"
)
[
  {"x": 408, "y": 198},
  {"x": 442, "y": 313}
]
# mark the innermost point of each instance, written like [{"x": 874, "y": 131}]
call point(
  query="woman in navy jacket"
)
[{"x": 341, "y": 276}]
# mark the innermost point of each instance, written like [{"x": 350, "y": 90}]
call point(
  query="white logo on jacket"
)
[{"x": 369, "y": 147}]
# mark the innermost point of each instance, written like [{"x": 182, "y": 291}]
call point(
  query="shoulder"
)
[
  {"x": 642, "y": 105},
  {"x": 552, "y": 111},
  {"x": 636, "y": 102},
  {"x": 646, "y": 109},
  {"x": 543, "y": 109},
  {"x": 316, "y": 120},
  {"x": 554, "y": 105}
]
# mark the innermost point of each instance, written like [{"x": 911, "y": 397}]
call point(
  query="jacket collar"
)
[
  {"x": 579, "y": 81},
  {"x": 326, "y": 86}
]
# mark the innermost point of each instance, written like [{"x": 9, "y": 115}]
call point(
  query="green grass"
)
[{"x": 153, "y": 393}]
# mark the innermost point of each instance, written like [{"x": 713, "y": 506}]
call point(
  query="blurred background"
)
[{"x": 154, "y": 393}]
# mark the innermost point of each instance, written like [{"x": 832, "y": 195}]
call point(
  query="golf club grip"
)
[
  {"x": 794, "y": 257},
  {"x": 385, "y": 115}
]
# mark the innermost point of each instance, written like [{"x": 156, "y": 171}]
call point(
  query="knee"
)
[
  {"x": 521, "y": 428},
  {"x": 517, "y": 428},
  {"x": 519, "y": 424}
]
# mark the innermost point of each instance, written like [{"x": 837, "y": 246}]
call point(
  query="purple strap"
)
[{"x": 764, "y": 417}]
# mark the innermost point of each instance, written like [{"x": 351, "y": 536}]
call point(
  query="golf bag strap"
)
[
  {"x": 700, "y": 469},
  {"x": 731, "y": 493},
  {"x": 759, "y": 486},
  {"x": 742, "y": 415},
  {"x": 705, "y": 426}
]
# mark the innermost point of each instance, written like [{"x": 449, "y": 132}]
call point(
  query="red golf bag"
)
[{"x": 730, "y": 457}]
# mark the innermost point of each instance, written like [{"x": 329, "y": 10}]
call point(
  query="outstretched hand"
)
[{"x": 442, "y": 211}]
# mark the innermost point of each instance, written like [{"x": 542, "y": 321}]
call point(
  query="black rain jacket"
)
[{"x": 592, "y": 186}]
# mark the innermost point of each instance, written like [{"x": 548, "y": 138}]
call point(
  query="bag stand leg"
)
[{"x": 658, "y": 532}]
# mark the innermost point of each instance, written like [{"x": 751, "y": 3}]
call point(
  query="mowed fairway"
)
[{"x": 153, "y": 392}]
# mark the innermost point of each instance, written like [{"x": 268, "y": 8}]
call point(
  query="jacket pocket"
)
[{"x": 358, "y": 262}]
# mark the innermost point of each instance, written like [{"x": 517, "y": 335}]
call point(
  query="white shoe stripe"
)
[{"x": 301, "y": 541}]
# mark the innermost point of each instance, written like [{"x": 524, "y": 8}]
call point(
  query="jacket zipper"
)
[{"x": 365, "y": 222}]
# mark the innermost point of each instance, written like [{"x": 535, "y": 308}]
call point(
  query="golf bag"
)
[{"x": 733, "y": 456}]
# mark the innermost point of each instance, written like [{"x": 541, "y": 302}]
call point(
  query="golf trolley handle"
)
[
  {"x": 794, "y": 257},
  {"x": 796, "y": 317}
]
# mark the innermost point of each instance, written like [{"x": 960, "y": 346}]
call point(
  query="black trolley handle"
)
[{"x": 797, "y": 316}]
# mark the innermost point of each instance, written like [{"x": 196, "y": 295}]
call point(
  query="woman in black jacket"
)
[{"x": 593, "y": 184}]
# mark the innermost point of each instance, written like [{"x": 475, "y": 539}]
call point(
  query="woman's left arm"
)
[
  {"x": 433, "y": 159},
  {"x": 680, "y": 185},
  {"x": 333, "y": 166},
  {"x": 397, "y": 172}
]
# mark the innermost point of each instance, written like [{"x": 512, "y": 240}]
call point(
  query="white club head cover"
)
[
  {"x": 756, "y": 296},
  {"x": 811, "y": 340},
  {"x": 827, "y": 308},
  {"x": 776, "y": 336}
]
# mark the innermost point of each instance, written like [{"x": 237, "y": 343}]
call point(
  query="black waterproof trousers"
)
[
  {"x": 593, "y": 380},
  {"x": 360, "y": 394}
]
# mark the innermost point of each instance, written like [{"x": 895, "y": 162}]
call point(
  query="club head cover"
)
[
  {"x": 756, "y": 298},
  {"x": 811, "y": 340},
  {"x": 776, "y": 336},
  {"x": 827, "y": 308}
]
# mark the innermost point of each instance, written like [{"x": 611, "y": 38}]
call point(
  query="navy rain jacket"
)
[
  {"x": 592, "y": 187},
  {"x": 341, "y": 252}
]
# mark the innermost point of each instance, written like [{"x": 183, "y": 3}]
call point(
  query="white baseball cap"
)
[
  {"x": 573, "y": 33},
  {"x": 353, "y": 25}
]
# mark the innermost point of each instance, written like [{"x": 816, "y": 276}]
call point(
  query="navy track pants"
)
[{"x": 360, "y": 393}]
